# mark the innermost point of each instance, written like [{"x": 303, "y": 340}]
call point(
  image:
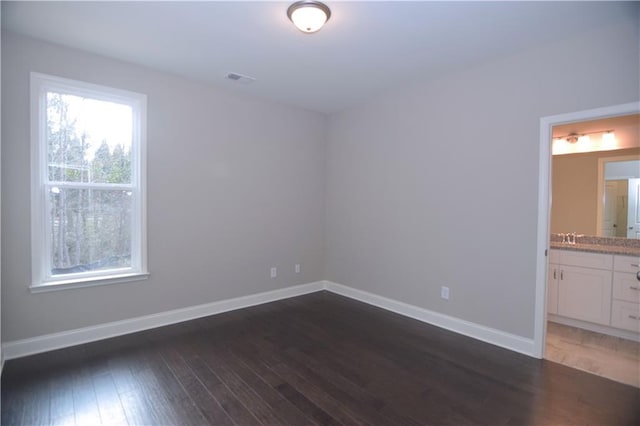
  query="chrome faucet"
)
[{"x": 571, "y": 238}]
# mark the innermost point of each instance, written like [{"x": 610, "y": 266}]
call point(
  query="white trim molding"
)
[
  {"x": 43, "y": 270},
  {"x": 470, "y": 329},
  {"x": 544, "y": 206},
  {"x": 20, "y": 348},
  {"x": 39, "y": 344}
]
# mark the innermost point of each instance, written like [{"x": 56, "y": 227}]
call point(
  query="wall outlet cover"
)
[{"x": 444, "y": 293}]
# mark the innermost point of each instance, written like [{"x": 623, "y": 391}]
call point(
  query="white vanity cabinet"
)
[
  {"x": 625, "y": 308},
  {"x": 583, "y": 282},
  {"x": 592, "y": 288}
]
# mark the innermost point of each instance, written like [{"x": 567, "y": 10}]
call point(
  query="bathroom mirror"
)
[
  {"x": 619, "y": 181},
  {"x": 596, "y": 180}
]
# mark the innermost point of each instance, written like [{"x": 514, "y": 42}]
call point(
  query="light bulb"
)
[
  {"x": 560, "y": 146},
  {"x": 609, "y": 140},
  {"x": 584, "y": 139}
]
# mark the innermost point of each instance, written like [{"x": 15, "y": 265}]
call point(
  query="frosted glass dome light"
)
[{"x": 308, "y": 15}]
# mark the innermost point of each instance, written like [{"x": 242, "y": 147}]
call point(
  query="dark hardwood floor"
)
[{"x": 317, "y": 359}]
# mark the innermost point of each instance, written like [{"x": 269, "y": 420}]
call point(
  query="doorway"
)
[{"x": 547, "y": 125}]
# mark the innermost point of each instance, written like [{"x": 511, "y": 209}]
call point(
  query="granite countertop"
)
[
  {"x": 605, "y": 245},
  {"x": 597, "y": 248}
]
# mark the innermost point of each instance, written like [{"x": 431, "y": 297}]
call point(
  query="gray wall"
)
[
  {"x": 235, "y": 185},
  {"x": 436, "y": 184}
]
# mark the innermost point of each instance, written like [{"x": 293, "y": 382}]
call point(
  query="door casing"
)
[{"x": 544, "y": 206}]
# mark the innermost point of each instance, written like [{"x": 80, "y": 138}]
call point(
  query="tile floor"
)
[{"x": 607, "y": 356}]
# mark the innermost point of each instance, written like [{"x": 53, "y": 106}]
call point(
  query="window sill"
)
[{"x": 88, "y": 282}]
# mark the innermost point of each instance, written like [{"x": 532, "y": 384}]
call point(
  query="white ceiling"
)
[{"x": 366, "y": 48}]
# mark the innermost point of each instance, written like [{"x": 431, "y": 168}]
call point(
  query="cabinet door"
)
[
  {"x": 585, "y": 294},
  {"x": 552, "y": 289}
]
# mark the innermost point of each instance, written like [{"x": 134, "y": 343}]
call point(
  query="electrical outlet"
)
[
  {"x": 297, "y": 268},
  {"x": 444, "y": 293},
  {"x": 274, "y": 272}
]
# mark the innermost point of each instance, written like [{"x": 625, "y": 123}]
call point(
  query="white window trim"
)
[{"x": 40, "y": 281}]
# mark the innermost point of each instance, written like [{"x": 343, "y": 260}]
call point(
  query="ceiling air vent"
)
[{"x": 239, "y": 78}]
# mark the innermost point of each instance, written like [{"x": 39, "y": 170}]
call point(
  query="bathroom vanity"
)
[{"x": 595, "y": 284}]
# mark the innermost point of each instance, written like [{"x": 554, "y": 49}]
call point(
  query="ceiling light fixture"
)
[{"x": 308, "y": 15}]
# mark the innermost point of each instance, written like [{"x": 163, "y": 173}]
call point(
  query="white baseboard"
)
[
  {"x": 616, "y": 332},
  {"x": 486, "y": 334},
  {"x": 20, "y": 348},
  {"x": 25, "y": 347}
]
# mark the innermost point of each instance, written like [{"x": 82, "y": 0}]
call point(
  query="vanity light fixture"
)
[
  {"x": 609, "y": 139},
  {"x": 582, "y": 142},
  {"x": 584, "y": 139},
  {"x": 571, "y": 138},
  {"x": 607, "y": 136},
  {"x": 308, "y": 15}
]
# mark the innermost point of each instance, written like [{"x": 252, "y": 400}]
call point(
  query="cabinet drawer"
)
[
  {"x": 586, "y": 260},
  {"x": 626, "y": 286},
  {"x": 625, "y": 315},
  {"x": 554, "y": 256},
  {"x": 626, "y": 264}
]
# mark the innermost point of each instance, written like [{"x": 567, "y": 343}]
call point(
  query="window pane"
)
[
  {"x": 90, "y": 229},
  {"x": 88, "y": 140}
]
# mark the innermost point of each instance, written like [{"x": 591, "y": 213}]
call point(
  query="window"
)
[{"x": 88, "y": 223}]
